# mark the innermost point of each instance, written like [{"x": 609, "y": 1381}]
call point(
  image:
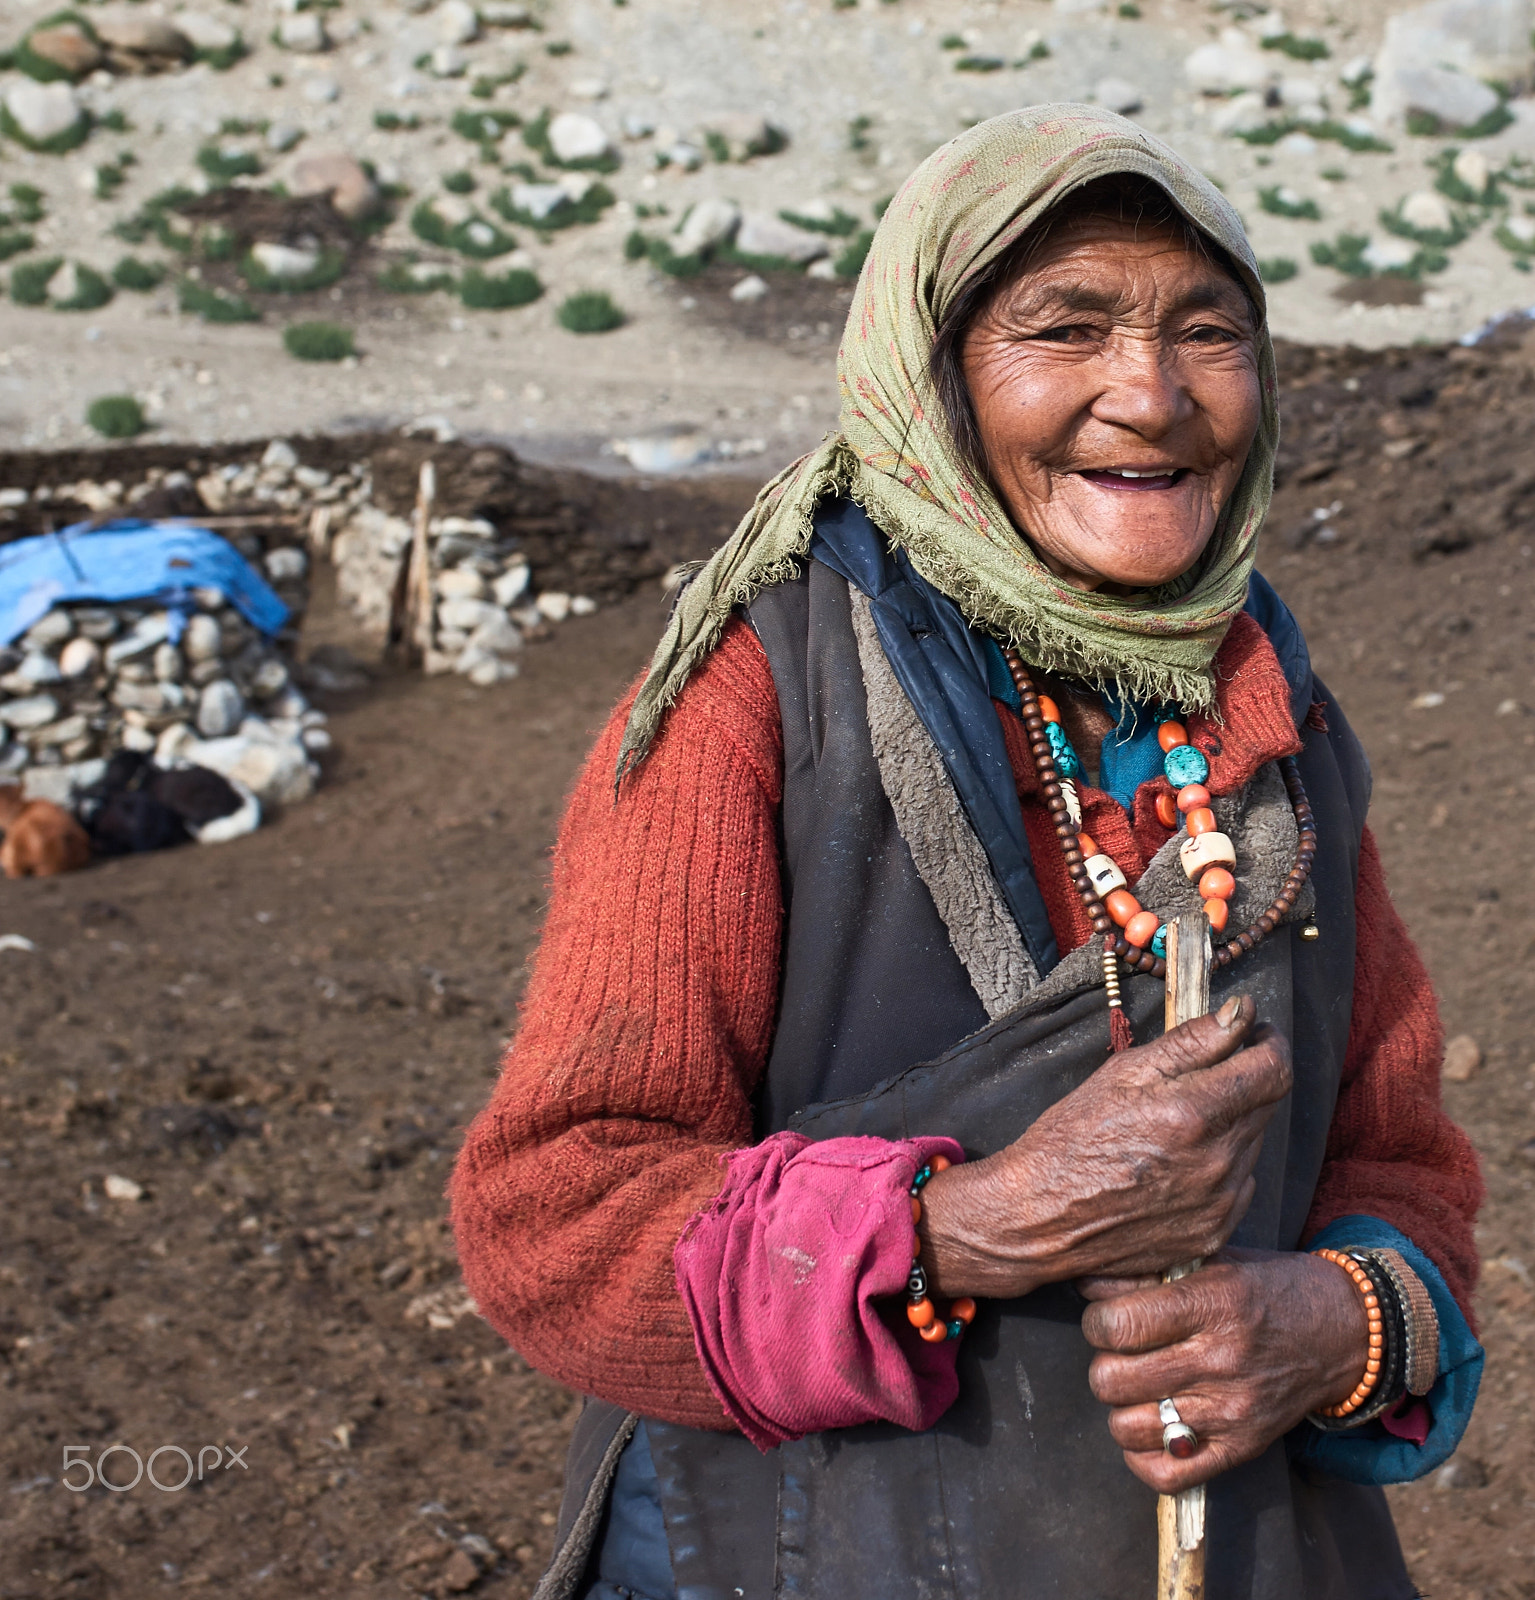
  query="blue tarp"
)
[{"x": 129, "y": 560}]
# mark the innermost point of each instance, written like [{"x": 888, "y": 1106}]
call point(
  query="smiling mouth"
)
[{"x": 1135, "y": 478}]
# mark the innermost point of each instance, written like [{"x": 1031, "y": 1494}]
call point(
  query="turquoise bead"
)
[
  {"x": 1184, "y": 765},
  {"x": 1066, "y": 762},
  {"x": 1159, "y": 942},
  {"x": 956, "y": 1327}
]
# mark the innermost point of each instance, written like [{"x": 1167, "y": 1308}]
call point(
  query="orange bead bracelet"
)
[{"x": 1377, "y": 1340}]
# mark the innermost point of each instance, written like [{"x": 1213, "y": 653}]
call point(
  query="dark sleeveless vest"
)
[{"x": 1018, "y": 1491}]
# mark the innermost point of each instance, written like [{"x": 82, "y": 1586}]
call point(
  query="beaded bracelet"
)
[
  {"x": 921, "y": 1313},
  {"x": 1387, "y": 1363},
  {"x": 1375, "y": 1357}
]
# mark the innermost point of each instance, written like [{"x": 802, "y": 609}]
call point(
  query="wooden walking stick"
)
[{"x": 1181, "y": 1516}]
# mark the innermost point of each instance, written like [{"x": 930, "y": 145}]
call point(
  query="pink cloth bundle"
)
[{"x": 794, "y": 1278}]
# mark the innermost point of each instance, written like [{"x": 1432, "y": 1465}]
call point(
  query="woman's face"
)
[{"x": 1115, "y": 384}]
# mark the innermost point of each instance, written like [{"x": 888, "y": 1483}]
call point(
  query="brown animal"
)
[{"x": 41, "y": 839}]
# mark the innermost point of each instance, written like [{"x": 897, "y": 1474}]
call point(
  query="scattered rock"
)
[
  {"x": 1462, "y": 1057},
  {"x": 461, "y": 583},
  {"x": 205, "y": 34},
  {"x": 277, "y": 771},
  {"x": 68, "y": 47},
  {"x": 589, "y": 89},
  {"x": 43, "y": 111},
  {"x": 283, "y": 261},
  {"x": 1388, "y": 255},
  {"x": 510, "y": 587},
  {"x": 448, "y": 61},
  {"x": 457, "y": 22},
  {"x": 202, "y": 639},
  {"x": 539, "y": 200},
  {"x": 30, "y": 711},
  {"x": 50, "y": 630},
  {"x": 670, "y": 449},
  {"x": 749, "y": 289},
  {"x": 1461, "y": 1472},
  {"x": 337, "y": 175},
  {"x": 554, "y": 605},
  {"x": 763, "y": 234},
  {"x": 1231, "y": 64},
  {"x": 707, "y": 224},
  {"x": 744, "y": 135},
  {"x": 1117, "y": 94},
  {"x": 1473, "y": 169},
  {"x": 304, "y": 33},
  {"x": 80, "y": 658},
  {"x": 282, "y": 136},
  {"x": 1460, "y": 45},
  {"x": 117, "y": 1187},
  {"x": 1452, "y": 97},
  {"x": 321, "y": 90},
  {"x": 573, "y": 137},
  {"x": 1428, "y": 212}
]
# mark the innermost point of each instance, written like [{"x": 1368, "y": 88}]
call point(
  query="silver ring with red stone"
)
[{"x": 1178, "y": 1439}]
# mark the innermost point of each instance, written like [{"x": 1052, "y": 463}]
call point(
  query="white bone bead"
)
[
  {"x": 1105, "y": 876},
  {"x": 1073, "y": 804},
  {"x": 1201, "y": 850}
]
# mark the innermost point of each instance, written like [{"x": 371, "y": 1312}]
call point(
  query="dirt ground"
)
[{"x": 280, "y": 1042}]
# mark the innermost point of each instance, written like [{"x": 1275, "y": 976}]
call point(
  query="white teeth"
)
[{"x": 1124, "y": 472}]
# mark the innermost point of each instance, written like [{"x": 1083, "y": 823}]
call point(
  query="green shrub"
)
[
  {"x": 28, "y": 204},
  {"x": 13, "y": 241},
  {"x": 476, "y": 238},
  {"x": 535, "y": 135},
  {"x": 591, "y": 311},
  {"x": 70, "y": 139},
  {"x": 461, "y": 182},
  {"x": 588, "y": 208},
  {"x": 393, "y": 122},
  {"x": 115, "y": 416},
  {"x": 1452, "y": 188},
  {"x": 115, "y": 121},
  {"x": 558, "y": 47},
  {"x": 214, "y": 306},
  {"x": 91, "y": 290},
  {"x": 399, "y": 278},
  {"x": 1298, "y": 48},
  {"x": 979, "y": 64},
  {"x": 1337, "y": 132},
  {"x": 1275, "y": 202},
  {"x": 318, "y": 341},
  {"x": 29, "y": 280},
  {"x": 221, "y": 60},
  {"x": 1462, "y": 223},
  {"x": 1277, "y": 269},
  {"x": 1425, "y": 125},
  {"x": 483, "y": 127},
  {"x": 1130, "y": 11},
  {"x": 224, "y": 165},
  {"x": 327, "y": 269},
  {"x": 1346, "y": 254},
  {"x": 952, "y": 41},
  {"x": 839, "y": 225},
  {"x": 139, "y": 276},
  {"x": 483, "y": 291},
  {"x": 849, "y": 262},
  {"x": 154, "y": 218}
]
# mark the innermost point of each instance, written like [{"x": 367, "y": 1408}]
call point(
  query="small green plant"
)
[
  {"x": 839, "y": 225},
  {"x": 1281, "y": 202},
  {"x": 224, "y": 163},
  {"x": 475, "y": 237},
  {"x": 1348, "y": 254},
  {"x": 139, "y": 276},
  {"x": 1301, "y": 49},
  {"x": 588, "y": 208},
  {"x": 214, "y": 306},
  {"x": 25, "y": 59},
  {"x": 858, "y": 133},
  {"x": 27, "y": 203},
  {"x": 29, "y": 280},
  {"x": 591, "y": 311},
  {"x": 1351, "y": 138},
  {"x": 318, "y": 341},
  {"x": 223, "y": 57},
  {"x": 13, "y": 242},
  {"x": 717, "y": 145},
  {"x": 395, "y": 122},
  {"x": 849, "y": 262},
  {"x": 558, "y": 47},
  {"x": 952, "y": 41},
  {"x": 1452, "y": 186},
  {"x": 1427, "y": 126},
  {"x": 636, "y": 245},
  {"x": 661, "y": 255},
  {"x": 1462, "y": 222},
  {"x": 157, "y": 217},
  {"x": 1277, "y": 269},
  {"x": 484, "y": 291},
  {"x": 1130, "y": 11},
  {"x": 1038, "y": 51},
  {"x": 409, "y": 277},
  {"x": 1519, "y": 171},
  {"x": 115, "y": 121},
  {"x": 460, "y": 182},
  {"x": 91, "y": 291},
  {"x": 1516, "y": 234},
  {"x": 979, "y": 64},
  {"x": 115, "y": 416},
  {"x": 326, "y": 270},
  {"x": 484, "y": 88},
  {"x": 483, "y": 127},
  {"x": 1333, "y": 174}
]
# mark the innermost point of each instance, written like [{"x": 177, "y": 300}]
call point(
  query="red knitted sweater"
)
[{"x": 650, "y": 1012}]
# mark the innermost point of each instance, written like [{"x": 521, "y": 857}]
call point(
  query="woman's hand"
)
[
  {"x": 1147, "y": 1163},
  {"x": 1244, "y": 1348}
]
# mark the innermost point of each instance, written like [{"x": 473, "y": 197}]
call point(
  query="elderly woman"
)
[{"x": 870, "y": 933}]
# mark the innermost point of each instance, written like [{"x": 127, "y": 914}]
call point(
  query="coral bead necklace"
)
[{"x": 1131, "y": 934}]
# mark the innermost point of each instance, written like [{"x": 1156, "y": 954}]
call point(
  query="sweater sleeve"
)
[
  {"x": 647, "y": 1023},
  {"x": 1392, "y": 1152}
]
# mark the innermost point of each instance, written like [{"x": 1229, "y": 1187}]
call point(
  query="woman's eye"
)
[
  {"x": 1066, "y": 333},
  {"x": 1210, "y": 333}
]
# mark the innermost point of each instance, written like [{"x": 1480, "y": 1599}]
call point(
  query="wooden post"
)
[
  {"x": 1181, "y": 1516},
  {"x": 418, "y": 589}
]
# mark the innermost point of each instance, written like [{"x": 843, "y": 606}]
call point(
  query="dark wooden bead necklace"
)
[{"x": 1116, "y": 948}]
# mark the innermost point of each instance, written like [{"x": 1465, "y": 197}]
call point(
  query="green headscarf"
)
[{"x": 893, "y": 454}]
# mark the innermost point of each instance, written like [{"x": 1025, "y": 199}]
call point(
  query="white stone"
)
[
  {"x": 539, "y": 200},
  {"x": 31, "y": 711},
  {"x": 289, "y": 704},
  {"x": 277, "y": 771},
  {"x": 465, "y": 614},
  {"x": 573, "y": 137},
  {"x": 220, "y": 709},
  {"x": 1301, "y": 94},
  {"x": 278, "y": 459},
  {"x": 1356, "y": 70},
  {"x": 1118, "y": 94},
  {"x": 172, "y": 742},
  {"x": 1451, "y": 96},
  {"x": 282, "y": 136},
  {"x": 284, "y": 261},
  {"x": 1472, "y": 40},
  {"x": 287, "y": 564},
  {"x": 668, "y": 449},
  {"x": 1385, "y": 255},
  {"x": 315, "y": 740},
  {"x": 304, "y": 34},
  {"x": 749, "y": 289},
  {"x": 498, "y": 635},
  {"x": 554, "y": 605},
  {"x": 1473, "y": 170},
  {"x": 65, "y": 731},
  {"x": 167, "y": 666},
  {"x": 62, "y": 783},
  {"x": 1078, "y": 8},
  {"x": 47, "y": 631},
  {"x": 824, "y": 270},
  {"x": 117, "y": 1187},
  {"x": 1520, "y": 229},
  {"x": 506, "y": 14},
  {"x": 763, "y": 234},
  {"x": 203, "y": 32},
  {"x": 321, "y": 90},
  {"x": 1297, "y": 144},
  {"x": 43, "y": 111},
  {"x": 636, "y": 126},
  {"x": 1427, "y": 212},
  {"x": 448, "y": 61},
  {"x": 456, "y": 22},
  {"x": 481, "y": 234},
  {"x": 37, "y": 671},
  {"x": 461, "y": 583},
  {"x": 270, "y": 678},
  {"x": 1232, "y": 63},
  {"x": 510, "y": 587},
  {"x": 582, "y": 605},
  {"x": 589, "y": 89},
  {"x": 488, "y": 671},
  {"x": 79, "y": 658},
  {"x": 203, "y": 637},
  {"x": 64, "y": 289},
  {"x": 709, "y": 223},
  {"x": 689, "y": 157}
]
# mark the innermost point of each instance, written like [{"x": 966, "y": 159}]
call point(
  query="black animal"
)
[{"x": 138, "y": 806}]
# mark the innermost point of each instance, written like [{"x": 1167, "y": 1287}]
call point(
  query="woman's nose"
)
[{"x": 1142, "y": 389}]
